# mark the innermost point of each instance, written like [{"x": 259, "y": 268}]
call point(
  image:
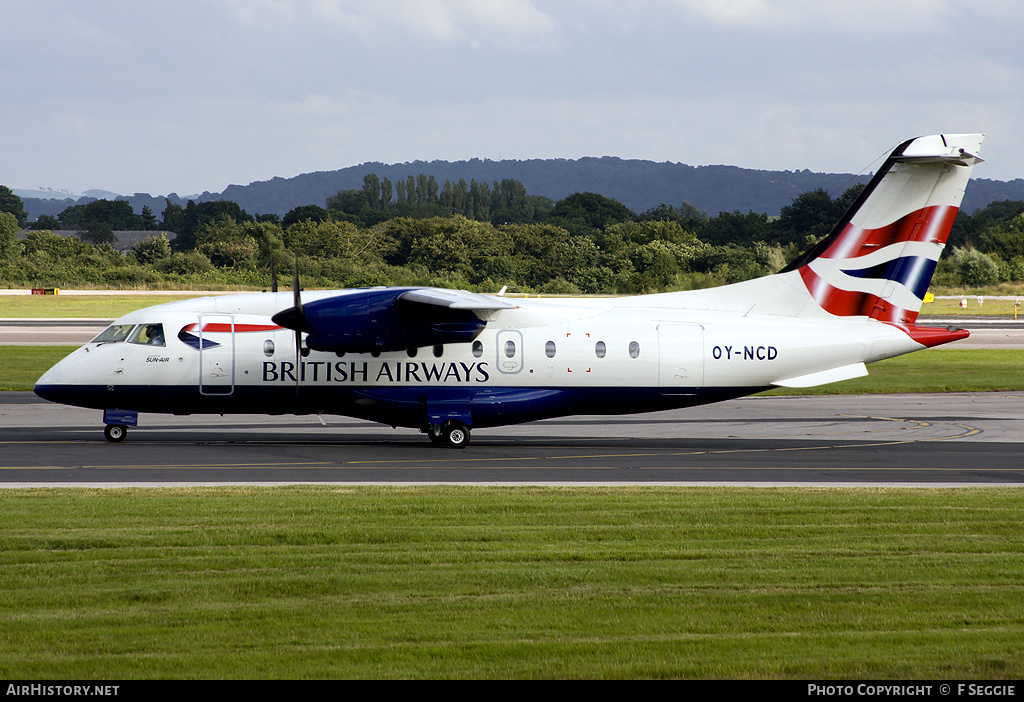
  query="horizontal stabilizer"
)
[
  {"x": 940, "y": 148},
  {"x": 832, "y": 375}
]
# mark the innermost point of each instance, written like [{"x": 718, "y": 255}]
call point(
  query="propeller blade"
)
[
  {"x": 294, "y": 318},
  {"x": 300, "y": 319},
  {"x": 296, "y": 294}
]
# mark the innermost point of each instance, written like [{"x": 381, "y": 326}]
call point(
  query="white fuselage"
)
[{"x": 545, "y": 357}]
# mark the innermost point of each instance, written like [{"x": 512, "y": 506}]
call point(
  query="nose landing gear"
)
[
  {"x": 117, "y": 422},
  {"x": 115, "y": 433}
]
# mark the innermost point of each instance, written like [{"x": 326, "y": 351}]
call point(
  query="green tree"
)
[
  {"x": 227, "y": 243},
  {"x": 810, "y": 214},
  {"x": 454, "y": 197},
  {"x": 148, "y": 218},
  {"x": 350, "y": 201},
  {"x": 974, "y": 269},
  {"x": 117, "y": 214},
  {"x": 312, "y": 213},
  {"x": 45, "y": 222},
  {"x": 1005, "y": 238},
  {"x": 97, "y": 232},
  {"x": 9, "y": 202},
  {"x": 185, "y": 263},
  {"x": 511, "y": 203},
  {"x": 269, "y": 237},
  {"x": 330, "y": 239},
  {"x": 186, "y": 221},
  {"x": 173, "y": 218},
  {"x": 736, "y": 228},
  {"x": 9, "y": 245},
  {"x": 152, "y": 250},
  {"x": 376, "y": 193},
  {"x": 686, "y": 214},
  {"x": 656, "y": 263},
  {"x": 59, "y": 247},
  {"x": 588, "y": 213},
  {"x": 968, "y": 227}
]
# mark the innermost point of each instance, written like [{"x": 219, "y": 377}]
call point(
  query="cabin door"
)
[
  {"x": 681, "y": 355},
  {"x": 216, "y": 354}
]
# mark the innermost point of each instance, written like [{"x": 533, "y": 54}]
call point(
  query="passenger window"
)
[
  {"x": 600, "y": 349},
  {"x": 478, "y": 349},
  {"x": 510, "y": 349},
  {"x": 268, "y": 348},
  {"x": 148, "y": 335},
  {"x": 634, "y": 349},
  {"x": 112, "y": 334},
  {"x": 438, "y": 350},
  {"x": 411, "y": 353},
  {"x": 549, "y": 349}
]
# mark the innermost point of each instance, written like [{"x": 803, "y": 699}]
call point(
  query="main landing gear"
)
[{"x": 452, "y": 433}]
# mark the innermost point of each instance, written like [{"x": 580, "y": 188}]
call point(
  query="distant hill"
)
[{"x": 640, "y": 185}]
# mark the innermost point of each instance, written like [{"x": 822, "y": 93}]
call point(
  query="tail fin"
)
[{"x": 879, "y": 259}]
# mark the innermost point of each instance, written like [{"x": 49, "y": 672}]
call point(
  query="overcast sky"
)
[{"x": 194, "y": 95}]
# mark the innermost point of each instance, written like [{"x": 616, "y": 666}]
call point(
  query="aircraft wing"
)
[
  {"x": 391, "y": 319},
  {"x": 456, "y": 299}
]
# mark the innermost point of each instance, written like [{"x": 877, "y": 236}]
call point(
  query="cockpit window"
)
[
  {"x": 114, "y": 333},
  {"x": 148, "y": 335}
]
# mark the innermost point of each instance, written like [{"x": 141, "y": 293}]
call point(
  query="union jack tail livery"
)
[{"x": 879, "y": 259}]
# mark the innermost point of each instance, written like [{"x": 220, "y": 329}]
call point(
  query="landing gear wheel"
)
[
  {"x": 455, "y": 434},
  {"x": 115, "y": 433}
]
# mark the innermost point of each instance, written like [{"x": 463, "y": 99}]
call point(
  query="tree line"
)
[{"x": 475, "y": 236}]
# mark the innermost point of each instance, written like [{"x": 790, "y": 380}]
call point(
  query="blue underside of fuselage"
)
[{"x": 414, "y": 407}]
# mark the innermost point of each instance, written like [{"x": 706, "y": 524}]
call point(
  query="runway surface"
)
[{"x": 950, "y": 439}]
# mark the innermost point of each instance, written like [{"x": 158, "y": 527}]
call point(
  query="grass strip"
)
[
  {"x": 931, "y": 371},
  {"x": 21, "y": 366},
  {"x": 476, "y": 582},
  {"x": 81, "y": 306},
  {"x": 974, "y": 308}
]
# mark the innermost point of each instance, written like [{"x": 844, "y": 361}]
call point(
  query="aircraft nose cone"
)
[
  {"x": 47, "y": 391},
  {"x": 46, "y": 386},
  {"x": 49, "y": 388}
]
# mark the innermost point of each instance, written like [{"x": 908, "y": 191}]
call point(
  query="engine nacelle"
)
[{"x": 376, "y": 320}]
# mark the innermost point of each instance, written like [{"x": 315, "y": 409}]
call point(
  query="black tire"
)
[
  {"x": 115, "y": 433},
  {"x": 455, "y": 434}
]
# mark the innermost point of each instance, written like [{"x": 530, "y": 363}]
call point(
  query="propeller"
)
[
  {"x": 300, "y": 313},
  {"x": 294, "y": 318}
]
